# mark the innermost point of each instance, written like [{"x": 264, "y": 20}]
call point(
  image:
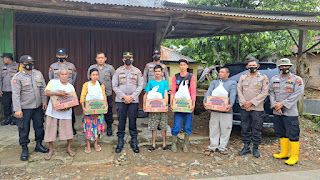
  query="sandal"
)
[
  {"x": 48, "y": 157},
  {"x": 224, "y": 152},
  {"x": 165, "y": 148},
  {"x": 99, "y": 148},
  {"x": 208, "y": 151},
  {"x": 71, "y": 153},
  {"x": 151, "y": 149},
  {"x": 86, "y": 150}
]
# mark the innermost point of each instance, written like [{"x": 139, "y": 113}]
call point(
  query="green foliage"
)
[{"x": 260, "y": 45}]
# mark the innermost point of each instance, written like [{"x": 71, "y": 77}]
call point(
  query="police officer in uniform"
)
[
  {"x": 127, "y": 83},
  {"x": 29, "y": 102},
  {"x": 252, "y": 90},
  {"x": 285, "y": 90},
  {"x": 62, "y": 56},
  {"x": 106, "y": 72},
  {"x": 9, "y": 69},
  {"x": 148, "y": 73}
]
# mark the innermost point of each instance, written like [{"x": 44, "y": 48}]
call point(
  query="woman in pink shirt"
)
[{"x": 179, "y": 116}]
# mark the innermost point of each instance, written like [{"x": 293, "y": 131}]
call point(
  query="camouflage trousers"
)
[{"x": 158, "y": 119}]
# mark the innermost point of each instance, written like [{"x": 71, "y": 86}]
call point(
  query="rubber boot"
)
[
  {"x": 186, "y": 142},
  {"x": 255, "y": 151},
  {"x": 134, "y": 145},
  {"x": 245, "y": 150},
  {"x": 174, "y": 140},
  {"x": 120, "y": 144},
  {"x": 294, "y": 153},
  {"x": 40, "y": 148},
  {"x": 6, "y": 121},
  {"x": 284, "y": 149},
  {"x": 25, "y": 153}
]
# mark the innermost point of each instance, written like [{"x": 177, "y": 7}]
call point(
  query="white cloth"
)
[
  {"x": 94, "y": 92},
  {"x": 220, "y": 91},
  {"x": 153, "y": 94},
  {"x": 54, "y": 86}
]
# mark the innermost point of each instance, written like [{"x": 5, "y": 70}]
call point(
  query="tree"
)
[{"x": 228, "y": 49}]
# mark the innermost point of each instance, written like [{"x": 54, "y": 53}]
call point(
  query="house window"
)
[
  {"x": 168, "y": 70},
  {"x": 190, "y": 71}
]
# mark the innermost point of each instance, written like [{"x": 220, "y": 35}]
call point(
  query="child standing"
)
[{"x": 157, "y": 118}]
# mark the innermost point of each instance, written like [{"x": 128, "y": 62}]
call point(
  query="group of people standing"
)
[
  {"x": 27, "y": 92},
  {"x": 284, "y": 91}
]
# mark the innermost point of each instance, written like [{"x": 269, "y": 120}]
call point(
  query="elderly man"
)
[
  {"x": 59, "y": 87},
  {"x": 252, "y": 90},
  {"x": 285, "y": 90},
  {"x": 220, "y": 124},
  {"x": 29, "y": 102}
]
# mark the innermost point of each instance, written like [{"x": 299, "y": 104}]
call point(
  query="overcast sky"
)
[{"x": 178, "y": 1}]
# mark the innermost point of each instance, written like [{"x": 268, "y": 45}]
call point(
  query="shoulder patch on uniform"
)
[
  {"x": 15, "y": 81},
  {"x": 146, "y": 66},
  {"x": 140, "y": 73},
  {"x": 50, "y": 68},
  {"x": 74, "y": 68},
  {"x": 299, "y": 81}
]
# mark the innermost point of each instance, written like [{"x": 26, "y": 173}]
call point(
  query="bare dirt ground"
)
[{"x": 195, "y": 164}]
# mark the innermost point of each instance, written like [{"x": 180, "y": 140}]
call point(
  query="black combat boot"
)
[
  {"x": 134, "y": 145},
  {"x": 109, "y": 130},
  {"x": 6, "y": 121},
  {"x": 245, "y": 150},
  {"x": 120, "y": 144},
  {"x": 255, "y": 151},
  {"x": 40, "y": 148},
  {"x": 25, "y": 153}
]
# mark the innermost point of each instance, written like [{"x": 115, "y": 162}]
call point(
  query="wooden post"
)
[
  {"x": 157, "y": 34},
  {"x": 303, "y": 64}
]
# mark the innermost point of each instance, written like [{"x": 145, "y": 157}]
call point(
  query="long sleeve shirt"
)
[
  {"x": 192, "y": 88},
  {"x": 229, "y": 85}
]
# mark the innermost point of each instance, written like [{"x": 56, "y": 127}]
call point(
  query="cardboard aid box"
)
[
  {"x": 60, "y": 103},
  {"x": 181, "y": 105},
  {"x": 96, "y": 107},
  {"x": 156, "y": 105},
  {"x": 217, "y": 103}
]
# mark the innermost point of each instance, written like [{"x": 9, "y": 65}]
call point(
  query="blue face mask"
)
[
  {"x": 285, "y": 70},
  {"x": 253, "y": 69}
]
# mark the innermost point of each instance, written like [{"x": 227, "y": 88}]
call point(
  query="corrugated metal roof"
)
[
  {"x": 225, "y": 11},
  {"x": 136, "y": 3},
  {"x": 168, "y": 54}
]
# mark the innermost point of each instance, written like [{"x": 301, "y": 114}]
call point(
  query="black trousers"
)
[
  {"x": 24, "y": 125},
  {"x": 124, "y": 111},
  {"x": 7, "y": 103},
  {"x": 251, "y": 125},
  {"x": 109, "y": 116},
  {"x": 287, "y": 127}
]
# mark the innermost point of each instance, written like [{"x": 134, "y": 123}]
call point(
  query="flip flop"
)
[
  {"x": 99, "y": 148},
  {"x": 86, "y": 150},
  {"x": 165, "y": 148},
  {"x": 151, "y": 149},
  {"x": 224, "y": 152},
  {"x": 47, "y": 157},
  {"x": 71, "y": 153}
]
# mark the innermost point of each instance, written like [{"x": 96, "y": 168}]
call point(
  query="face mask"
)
[
  {"x": 253, "y": 69},
  {"x": 128, "y": 62},
  {"x": 62, "y": 59},
  {"x": 29, "y": 66},
  {"x": 285, "y": 70},
  {"x": 156, "y": 58}
]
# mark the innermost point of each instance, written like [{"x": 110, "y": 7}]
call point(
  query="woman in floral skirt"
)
[{"x": 93, "y": 125}]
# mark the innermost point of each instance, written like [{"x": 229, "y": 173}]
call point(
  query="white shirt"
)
[{"x": 55, "y": 85}]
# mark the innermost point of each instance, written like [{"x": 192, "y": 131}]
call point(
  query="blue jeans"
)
[{"x": 187, "y": 123}]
